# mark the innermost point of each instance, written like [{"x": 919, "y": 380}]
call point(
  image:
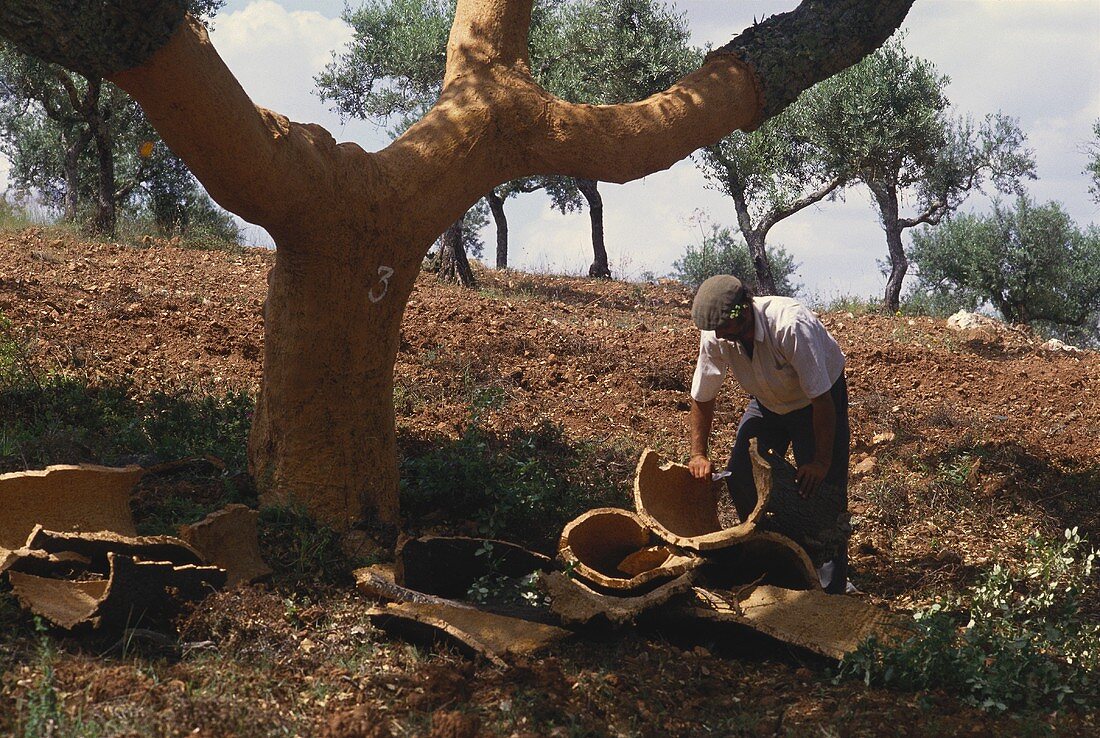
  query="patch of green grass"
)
[
  {"x": 68, "y": 420},
  {"x": 41, "y": 711},
  {"x": 57, "y": 419},
  {"x": 524, "y": 485}
]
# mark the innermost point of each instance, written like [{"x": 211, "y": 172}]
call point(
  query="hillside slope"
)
[{"x": 965, "y": 444}]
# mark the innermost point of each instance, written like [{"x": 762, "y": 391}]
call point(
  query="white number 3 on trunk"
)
[{"x": 378, "y": 291}]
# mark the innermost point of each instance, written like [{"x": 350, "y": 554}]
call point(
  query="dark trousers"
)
[{"x": 779, "y": 433}]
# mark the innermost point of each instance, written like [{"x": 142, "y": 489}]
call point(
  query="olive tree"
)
[
  {"x": 1030, "y": 261},
  {"x": 352, "y": 227},
  {"x": 887, "y": 123},
  {"x": 771, "y": 174},
  {"x": 77, "y": 140}
]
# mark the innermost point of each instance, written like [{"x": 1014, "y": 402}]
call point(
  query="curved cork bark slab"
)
[
  {"x": 684, "y": 511},
  {"x": 446, "y": 566},
  {"x": 66, "y": 498},
  {"x": 577, "y": 604},
  {"x": 477, "y": 631},
  {"x": 66, "y": 564},
  {"x": 830, "y": 625},
  {"x": 228, "y": 539},
  {"x": 611, "y": 548},
  {"x": 131, "y": 591},
  {"x": 762, "y": 558},
  {"x": 97, "y": 547}
]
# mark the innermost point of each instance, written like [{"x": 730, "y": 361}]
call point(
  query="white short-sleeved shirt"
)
[{"x": 794, "y": 358}]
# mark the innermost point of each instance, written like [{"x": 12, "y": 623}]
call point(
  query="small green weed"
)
[
  {"x": 497, "y": 588},
  {"x": 40, "y": 712},
  {"x": 1018, "y": 640},
  {"x": 299, "y": 549},
  {"x": 892, "y": 501}
]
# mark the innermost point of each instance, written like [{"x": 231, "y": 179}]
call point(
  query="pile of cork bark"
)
[{"x": 670, "y": 560}]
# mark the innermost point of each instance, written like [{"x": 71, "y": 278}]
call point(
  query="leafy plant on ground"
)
[
  {"x": 524, "y": 486},
  {"x": 40, "y": 711},
  {"x": 499, "y": 588},
  {"x": 301, "y": 550},
  {"x": 1020, "y": 639}
]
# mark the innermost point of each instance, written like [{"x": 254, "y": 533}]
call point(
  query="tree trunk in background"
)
[
  {"x": 106, "y": 217},
  {"x": 352, "y": 227},
  {"x": 590, "y": 189},
  {"x": 72, "y": 175},
  {"x": 496, "y": 205},
  {"x": 887, "y": 199},
  {"x": 453, "y": 264},
  {"x": 765, "y": 279}
]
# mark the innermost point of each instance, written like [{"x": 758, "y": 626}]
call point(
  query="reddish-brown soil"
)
[{"x": 611, "y": 363}]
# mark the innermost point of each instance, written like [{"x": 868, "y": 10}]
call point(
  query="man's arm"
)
[
  {"x": 700, "y": 420},
  {"x": 810, "y": 475}
]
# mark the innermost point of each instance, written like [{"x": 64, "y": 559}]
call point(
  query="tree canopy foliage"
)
[
  {"x": 1030, "y": 261},
  {"x": 771, "y": 174},
  {"x": 887, "y": 122},
  {"x": 1093, "y": 168}
]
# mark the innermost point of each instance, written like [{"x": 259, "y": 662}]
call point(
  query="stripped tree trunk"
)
[{"x": 352, "y": 227}]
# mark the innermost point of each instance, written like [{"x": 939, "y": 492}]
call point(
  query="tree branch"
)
[
  {"x": 92, "y": 37},
  {"x": 252, "y": 161},
  {"x": 801, "y": 203},
  {"x": 791, "y": 52},
  {"x": 932, "y": 216}
]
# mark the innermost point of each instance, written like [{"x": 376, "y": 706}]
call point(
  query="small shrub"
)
[
  {"x": 524, "y": 486},
  {"x": 722, "y": 253},
  {"x": 1018, "y": 640},
  {"x": 497, "y": 588},
  {"x": 854, "y": 304},
  {"x": 40, "y": 712}
]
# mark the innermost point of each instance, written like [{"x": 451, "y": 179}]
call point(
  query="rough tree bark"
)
[
  {"x": 756, "y": 235},
  {"x": 72, "y": 174},
  {"x": 590, "y": 189},
  {"x": 106, "y": 216},
  {"x": 352, "y": 227},
  {"x": 453, "y": 264}
]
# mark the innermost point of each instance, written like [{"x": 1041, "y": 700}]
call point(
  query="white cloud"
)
[{"x": 275, "y": 54}]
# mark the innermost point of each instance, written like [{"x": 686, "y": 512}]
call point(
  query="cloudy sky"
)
[{"x": 1035, "y": 60}]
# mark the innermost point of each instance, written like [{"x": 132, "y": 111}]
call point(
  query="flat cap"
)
[{"x": 714, "y": 301}]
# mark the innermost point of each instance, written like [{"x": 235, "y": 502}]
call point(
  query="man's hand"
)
[
  {"x": 809, "y": 476},
  {"x": 701, "y": 467}
]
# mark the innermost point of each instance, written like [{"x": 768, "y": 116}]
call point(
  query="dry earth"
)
[{"x": 968, "y": 444}]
